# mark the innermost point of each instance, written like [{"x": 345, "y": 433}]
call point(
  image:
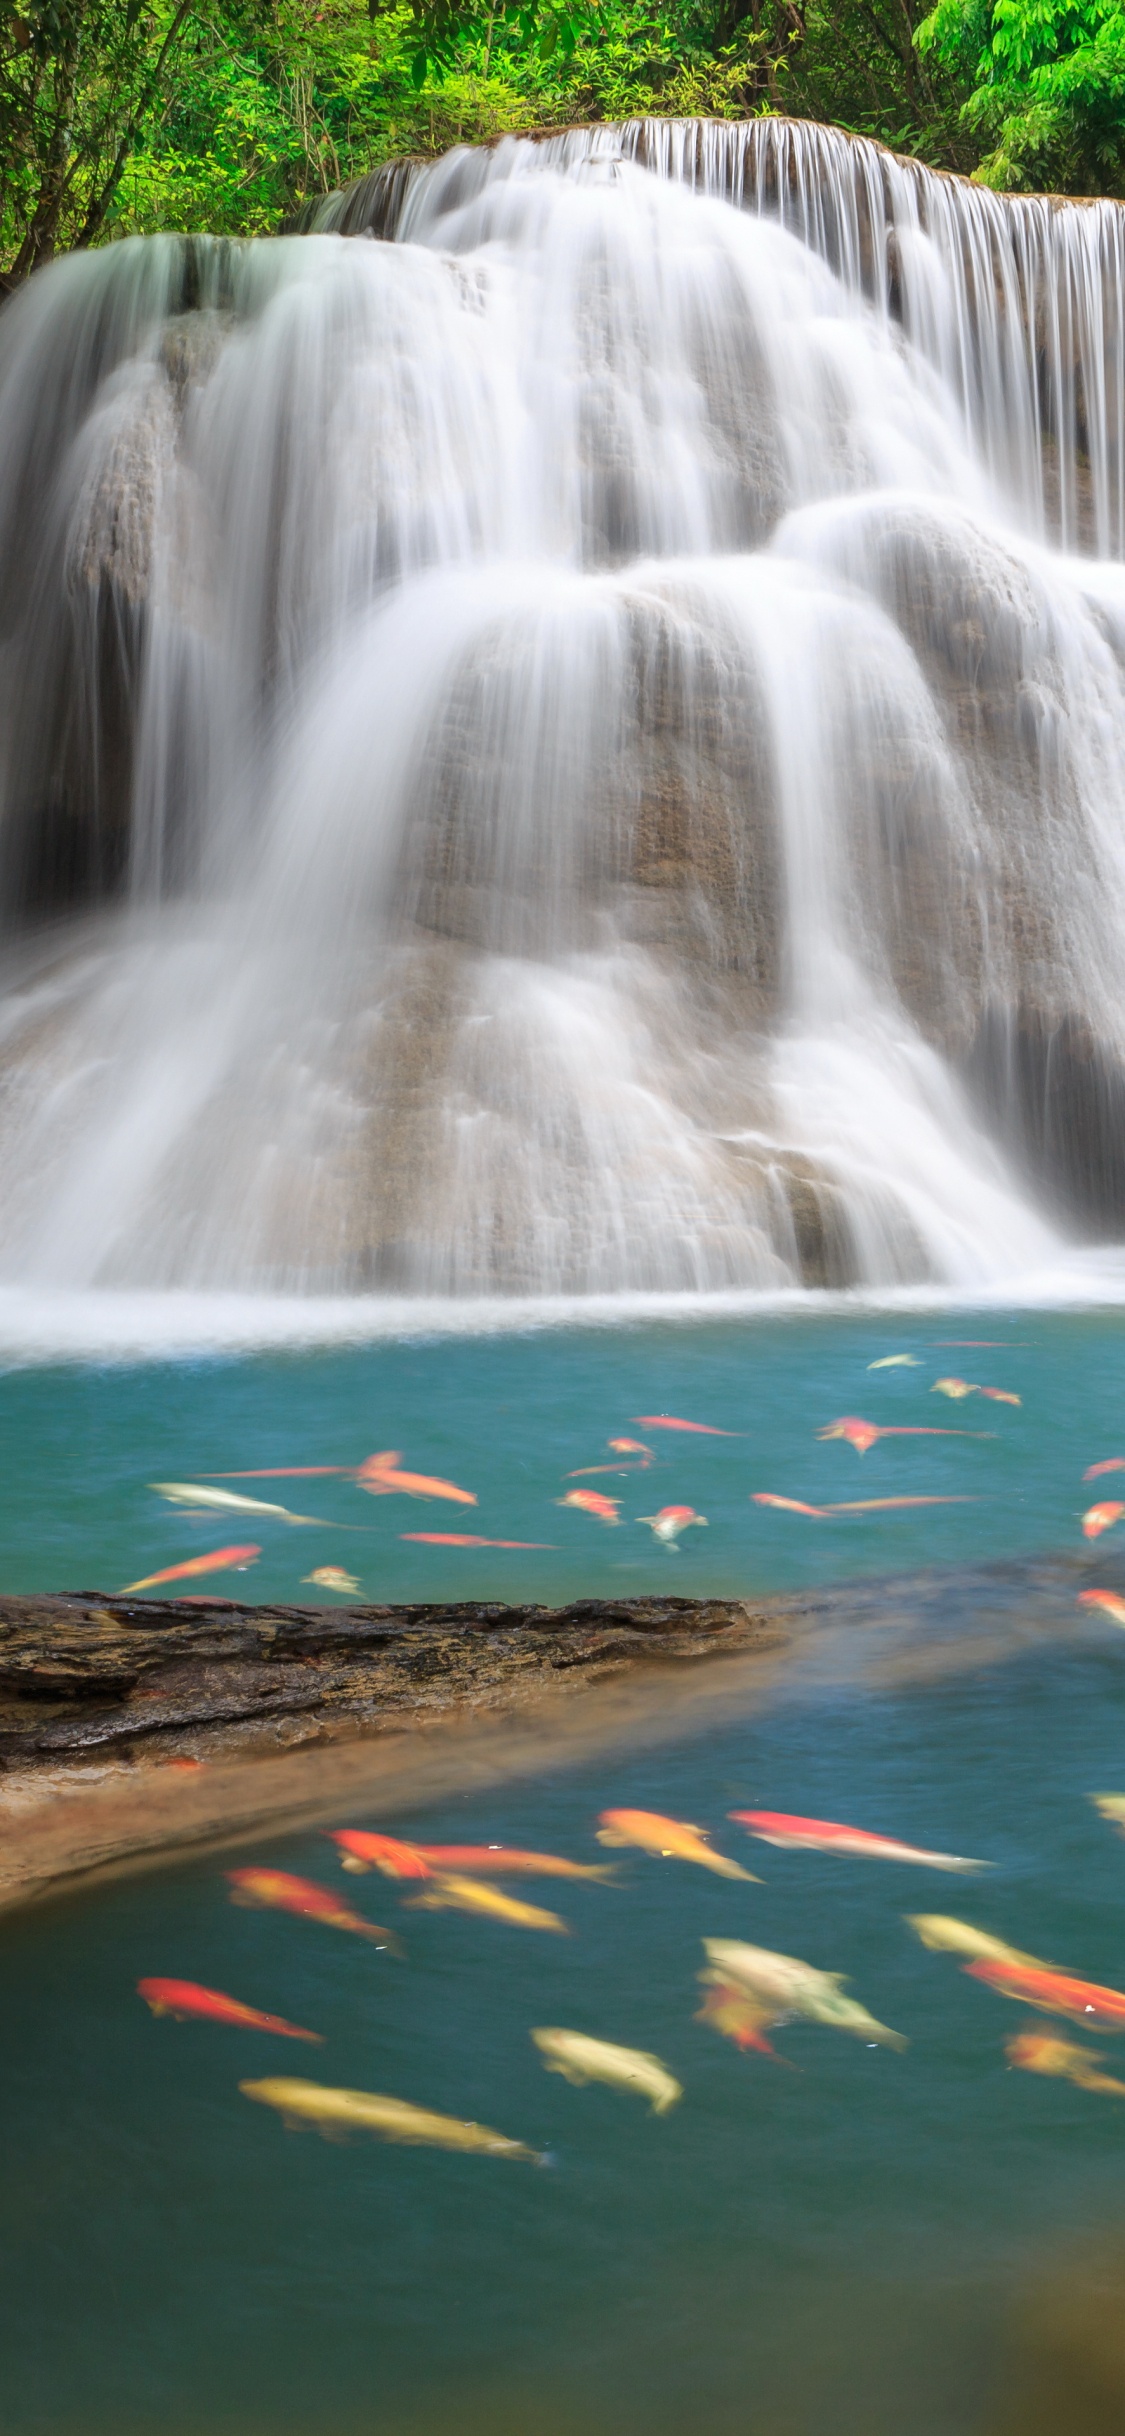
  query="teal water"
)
[
  {"x": 836, "y": 2245},
  {"x": 509, "y": 1417},
  {"x": 851, "y": 2242}
]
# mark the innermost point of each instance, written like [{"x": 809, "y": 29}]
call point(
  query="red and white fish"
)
[
  {"x": 698, "y": 1429},
  {"x": 668, "y": 1524},
  {"x": 275, "y": 1890},
  {"x": 219, "y": 1560},
  {"x": 796, "y": 1834},
  {"x": 1108, "y": 1600},
  {"x": 591, "y": 1501},
  {"x": 1101, "y": 1518},
  {"x": 381, "y": 1477},
  {"x": 185, "y": 2001}
]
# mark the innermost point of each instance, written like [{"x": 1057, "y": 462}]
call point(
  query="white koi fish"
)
[
  {"x": 224, "y": 1501},
  {"x": 581, "y": 2059}
]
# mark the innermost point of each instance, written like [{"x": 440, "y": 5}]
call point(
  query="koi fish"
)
[
  {"x": 796, "y": 1988},
  {"x": 402, "y": 1860},
  {"x": 1079, "y": 2000},
  {"x": 736, "y": 2015},
  {"x": 334, "y": 2111},
  {"x": 897, "y": 1361},
  {"x": 333, "y": 1577},
  {"x": 864, "y": 1434},
  {"x": 224, "y": 1501},
  {"x": 668, "y": 1524},
  {"x": 1111, "y": 1806},
  {"x": 671, "y": 1839},
  {"x": 381, "y": 1477},
  {"x": 1000, "y": 1395},
  {"x": 506, "y": 1861},
  {"x": 824, "y": 1835},
  {"x": 954, "y": 1388},
  {"x": 220, "y": 1560},
  {"x": 581, "y": 2060},
  {"x": 789, "y": 1505},
  {"x": 944, "y": 1935},
  {"x": 275, "y": 1890},
  {"x": 449, "y": 1891},
  {"x": 1041, "y": 2051},
  {"x": 698, "y": 1429},
  {"x": 1113, "y": 1463},
  {"x": 856, "y": 1505},
  {"x": 184, "y": 2001},
  {"x": 1108, "y": 1600},
  {"x": 360, "y": 1851},
  {"x": 631, "y": 1446},
  {"x": 617, "y": 1446},
  {"x": 468, "y": 1539},
  {"x": 1097, "y": 1519},
  {"x": 591, "y": 1501}
]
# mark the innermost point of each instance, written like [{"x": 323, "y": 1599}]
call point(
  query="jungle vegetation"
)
[{"x": 230, "y": 115}]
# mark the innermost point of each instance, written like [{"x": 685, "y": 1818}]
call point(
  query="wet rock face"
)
[{"x": 1055, "y": 1096}]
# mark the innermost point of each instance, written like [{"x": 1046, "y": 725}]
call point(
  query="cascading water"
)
[{"x": 562, "y": 752}]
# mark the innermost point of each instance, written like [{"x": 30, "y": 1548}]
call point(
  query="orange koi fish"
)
[
  {"x": 468, "y": 1539},
  {"x": 381, "y": 1477},
  {"x": 362, "y": 1850},
  {"x": 1041, "y": 2051},
  {"x": 506, "y": 1861},
  {"x": 864, "y": 1434},
  {"x": 184, "y": 2001},
  {"x": 1000, "y": 1395},
  {"x": 789, "y": 1505},
  {"x": 668, "y": 1524},
  {"x": 1079, "y": 2000},
  {"x": 736, "y": 2015},
  {"x": 1097, "y": 1519},
  {"x": 591, "y": 1501},
  {"x": 1113, "y": 1463},
  {"x": 275, "y": 1890},
  {"x": 670, "y": 1839},
  {"x": 401, "y": 1860},
  {"x": 617, "y": 1446},
  {"x": 825, "y": 1835},
  {"x": 220, "y": 1560},
  {"x": 699, "y": 1429},
  {"x": 1107, "y": 1600}
]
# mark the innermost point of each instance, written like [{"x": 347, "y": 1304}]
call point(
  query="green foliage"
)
[
  {"x": 1047, "y": 88},
  {"x": 121, "y": 115}
]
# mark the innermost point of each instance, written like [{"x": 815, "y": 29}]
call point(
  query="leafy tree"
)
[{"x": 1048, "y": 87}]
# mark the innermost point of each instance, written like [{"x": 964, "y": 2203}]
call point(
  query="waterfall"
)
[{"x": 575, "y": 748}]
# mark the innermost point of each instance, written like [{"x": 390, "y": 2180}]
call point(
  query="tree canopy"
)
[{"x": 230, "y": 115}]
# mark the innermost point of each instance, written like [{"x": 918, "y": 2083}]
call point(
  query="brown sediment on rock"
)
[{"x": 302, "y": 1715}]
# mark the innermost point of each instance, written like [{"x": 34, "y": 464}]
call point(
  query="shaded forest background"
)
[{"x": 119, "y": 116}]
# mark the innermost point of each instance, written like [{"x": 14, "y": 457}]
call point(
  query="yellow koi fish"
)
[
  {"x": 1111, "y": 1806},
  {"x": 335, "y": 2111},
  {"x": 944, "y": 1935},
  {"x": 1041, "y": 2051},
  {"x": 669, "y": 1839},
  {"x": 333, "y": 1577},
  {"x": 795, "y": 1987},
  {"x": 448, "y": 1892},
  {"x": 581, "y": 2059}
]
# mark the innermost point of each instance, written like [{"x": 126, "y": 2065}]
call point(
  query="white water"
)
[{"x": 578, "y": 761}]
